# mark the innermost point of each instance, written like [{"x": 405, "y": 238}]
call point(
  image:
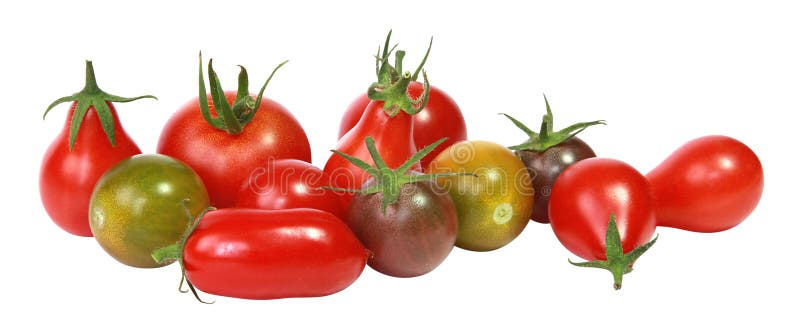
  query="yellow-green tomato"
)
[
  {"x": 495, "y": 204},
  {"x": 144, "y": 203}
]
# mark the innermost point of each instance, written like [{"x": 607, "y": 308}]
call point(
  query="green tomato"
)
[
  {"x": 144, "y": 203},
  {"x": 494, "y": 207}
]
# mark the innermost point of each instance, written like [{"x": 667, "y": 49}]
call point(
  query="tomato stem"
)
[
  {"x": 546, "y": 137},
  {"x": 392, "y": 84},
  {"x": 231, "y": 118},
  {"x": 92, "y": 96},
  {"x": 174, "y": 252},
  {"x": 617, "y": 262},
  {"x": 388, "y": 181}
]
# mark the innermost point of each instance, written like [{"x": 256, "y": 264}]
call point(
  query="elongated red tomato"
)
[
  {"x": 225, "y": 148},
  {"x": 709, "y": 184},
  {"x": 261, "y": 254},
  {"x": 288, "y": 184},
  {"x": 91, "y": 141},
  {"x": 441, "y": 118},
  {"x": 586, "y": 194}
]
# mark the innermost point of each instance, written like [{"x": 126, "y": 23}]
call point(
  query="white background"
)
[{"x": 659, "y": 74}]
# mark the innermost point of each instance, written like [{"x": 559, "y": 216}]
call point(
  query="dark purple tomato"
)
[
  {"x": 546, "y": 166},
  {"x": 413, "y": 235}
]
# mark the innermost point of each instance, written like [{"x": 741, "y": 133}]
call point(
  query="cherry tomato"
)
[
  {"x": 288, "y": 184},
  {"x": 586, "y": 194},
  {"x": 413, "y": 235},
  {"x": 494, "y": 207},
  {"x": 441, "y": 118},
  {"x": 226, "y": 150},
  {"x": 91, "y": 141},
  {"x": 709, "y": 184},
  {"x": 144, "y": 203},
  {"x": 269, "y": 254}
]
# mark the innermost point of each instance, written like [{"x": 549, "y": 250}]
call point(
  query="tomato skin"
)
[
  {"x": 288, "y": 184},
  {"x": 224, "y": 161},
  {"x": 586, "y": 194},
  {"x": 440, "y": 118},
  {"x": 709, "y": 184},
  {"x": 260, "y": 254},
  {"x": 545, "y": 167},
  {"x": 67, "y": 178},
  {"x": 393, "y": 140},
  {"x": 494, "y": 206},
  {"x": 144, "y": 203},
  {"x": 413, "y": 236}
]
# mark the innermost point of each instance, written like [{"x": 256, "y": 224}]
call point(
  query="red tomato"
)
[
  {"x": 392, "y": 139},
  {"x": 224, "y": 161},
  {"x": 75, "y": 161},
  {"x": 709, "y": 184},
  {"x": 260, "y": 254},
  {"x": 440, "y": 118},
  {"x": 288, "y": 184},
  {"x": 586, "y": 194}
]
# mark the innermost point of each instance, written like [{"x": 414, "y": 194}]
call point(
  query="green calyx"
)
[
  {"x": 174, "y": 252},
  {"x": 617, "y": 262},
  {"x": 392, "y": 85},
  {"x": 546, "y": 138},
  {"x": 231, "y": 118},
  {"x": 387, "y": 181},
  {"x": 92, "y": 96}
]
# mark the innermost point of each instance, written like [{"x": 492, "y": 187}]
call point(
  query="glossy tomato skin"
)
[
  {"x": 260, "y": 254},
  {"x": 440, "y": 118},
  {"x": 495, "y": 205},
  {"x": 142, "y": 204},
  {"x": 224, "y": 161},
  {"x": 413, "y": 236},
  {"x": 545, "y": 167},
  {"x": 288, "y": 184},
  {"x": 393, "y": 140},
  {"x": 67, "y": 178},
  {"x": 586, "y": 194},
  {"x": 709, "y": 184}
]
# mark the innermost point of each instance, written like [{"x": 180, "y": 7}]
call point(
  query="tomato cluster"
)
[{"x": 232, "y": 197}]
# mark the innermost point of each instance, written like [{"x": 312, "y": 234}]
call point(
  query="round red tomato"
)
[
  {"x": 709, "y": 184},
  {"x": 288, "y": 184},
  {"x": 440, "y": 118},
  {"x": 586, "y": 194},
  {"x": 223, "y": 160}
]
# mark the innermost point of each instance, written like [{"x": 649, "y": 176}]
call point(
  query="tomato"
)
[
  {"x": 587, "y": 193},
  {"x": 261, "y": 254},
  {"x": 144, "y": 203},
  {"x": 226, "y": 148},
  {"x": 494, "y": 207},
  {"x": 441, "y": 118},
  {"x": 709, "y": 184},
  {"x": 403, "y": 217},
  {"x": 287, "y": 184},
  {"x": 547, "y": 154},
  {"x": 387, "y": 119},
  {"x": 590, "y": 191},
  {"x": 91, "y": 141}
]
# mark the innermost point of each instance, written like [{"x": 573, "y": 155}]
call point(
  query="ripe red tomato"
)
[
  {"x": 224, "y": 161},
  {"x": 709, "y": 184},
  {"x": 263, "y": 254},
  {"x": 288, "y": 184},
  {"x": 91, "y": 141},
  {"x": 440, "y": 118},
  {"x": 586, "y": 194}
]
